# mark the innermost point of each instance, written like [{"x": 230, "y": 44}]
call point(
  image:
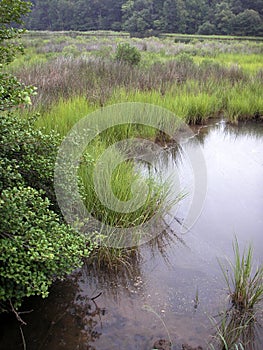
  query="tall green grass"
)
[
  {"x": 244, "y": 102},
  {"x": 63, "y": 115},
  {"x": 119, "y": 182},
  {"x": 250, "y": 63},
  {"x": 192, "y": 102},
  {"x": 236, "y": 328},
  {"x": 245, "y": 286}
]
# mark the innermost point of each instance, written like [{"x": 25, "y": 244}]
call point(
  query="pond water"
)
[{"x": 175, "y": 284}]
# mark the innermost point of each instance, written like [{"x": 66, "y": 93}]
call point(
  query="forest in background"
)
[{"x": 150, "y": 17}]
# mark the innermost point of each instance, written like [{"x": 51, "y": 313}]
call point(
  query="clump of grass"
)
[
  {"x": 64, "y": 114},
  {"x": 112, "y": 259},
  {"x": 113, "y": 201},
  {"x": 115, "y": 188},
  {"x": 243, "y": 102},
  {"x": 245, "y": 286},
  {"x": 228, "y": 332},
  {"x": 236, "y": 328}
]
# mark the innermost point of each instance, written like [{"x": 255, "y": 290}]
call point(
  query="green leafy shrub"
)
[
  {"x": 27, "y": 155},
  {"x": 35, "y": 245},
  {"x": 13, "y": 92},
  {"x": 128, "y": 54}
]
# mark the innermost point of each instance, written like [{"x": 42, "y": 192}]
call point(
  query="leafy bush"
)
[
  {"x": 127, "y": 53},
  {"x": 35, "y": 246},
  {"x": 27, "y": 155},
  {"x": 12, "y": 92}
]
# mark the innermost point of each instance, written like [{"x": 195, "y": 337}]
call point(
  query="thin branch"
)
[
  {"x": 23, "y": 338},
  {"x": 19, "y": 319}
]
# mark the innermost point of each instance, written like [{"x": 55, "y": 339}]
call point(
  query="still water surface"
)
[{"x": 156, "y": 298}]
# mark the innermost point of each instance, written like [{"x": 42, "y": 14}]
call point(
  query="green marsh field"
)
[{"x": 171, "y": 289}]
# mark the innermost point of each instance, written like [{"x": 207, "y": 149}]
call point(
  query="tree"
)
[
  {"x": 206, "y": 28},
  {"x": 224, "y": 18},
  {"x": 142, "y": 16},
  {"x": 196, "y": 12},
  {"x": 137, "y": 15},
  {"x": 174, "y": 15},
  {"x": 248, "y": 22}
]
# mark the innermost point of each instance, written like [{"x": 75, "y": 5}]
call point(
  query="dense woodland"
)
[{"x": 150, "y": 17}]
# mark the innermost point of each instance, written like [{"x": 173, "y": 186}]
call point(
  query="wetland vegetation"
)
[{"x": 197, "y": 79}]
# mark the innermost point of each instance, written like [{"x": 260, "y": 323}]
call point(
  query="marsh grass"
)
[
  {"x": 234, "y": 332},
  {"x": 244, "y": 102},
  {"x": 237, "y": 326},
  {"x": 245, "y": 286},
  {"x": 113, "y": 260},
  {"x": 64, "y": 114},
  {"x": 196, "y": 80},
  {"x": 194, "y": 92},
  {"x": 125, "y": 207},
  {"x": 132, "y": 208}
]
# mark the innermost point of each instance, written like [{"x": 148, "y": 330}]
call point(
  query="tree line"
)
[{"x": 150, "y": 17}]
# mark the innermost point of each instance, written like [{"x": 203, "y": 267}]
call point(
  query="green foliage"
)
[
  {"x": 10, "y": 13},
  {"x": 128, "y": 54},
  {"x": 206, "y": 28},
  {"x": 35, "y": 246},
  {"x": 27, "y": 155},
  {"x": 147, "y": 17},
  {"x": 12, "y": 92}
]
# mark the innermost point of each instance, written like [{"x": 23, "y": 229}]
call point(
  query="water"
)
[{"x": 156, "y": 297}]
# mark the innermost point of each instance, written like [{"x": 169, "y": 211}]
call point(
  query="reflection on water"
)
[{"x": 173, "y": 284}]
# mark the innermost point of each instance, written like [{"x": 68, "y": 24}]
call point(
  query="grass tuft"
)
[{"x": 245, "y": 286}]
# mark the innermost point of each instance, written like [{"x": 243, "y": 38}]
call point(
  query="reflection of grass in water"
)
[{"x": 236, "y": 330}]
